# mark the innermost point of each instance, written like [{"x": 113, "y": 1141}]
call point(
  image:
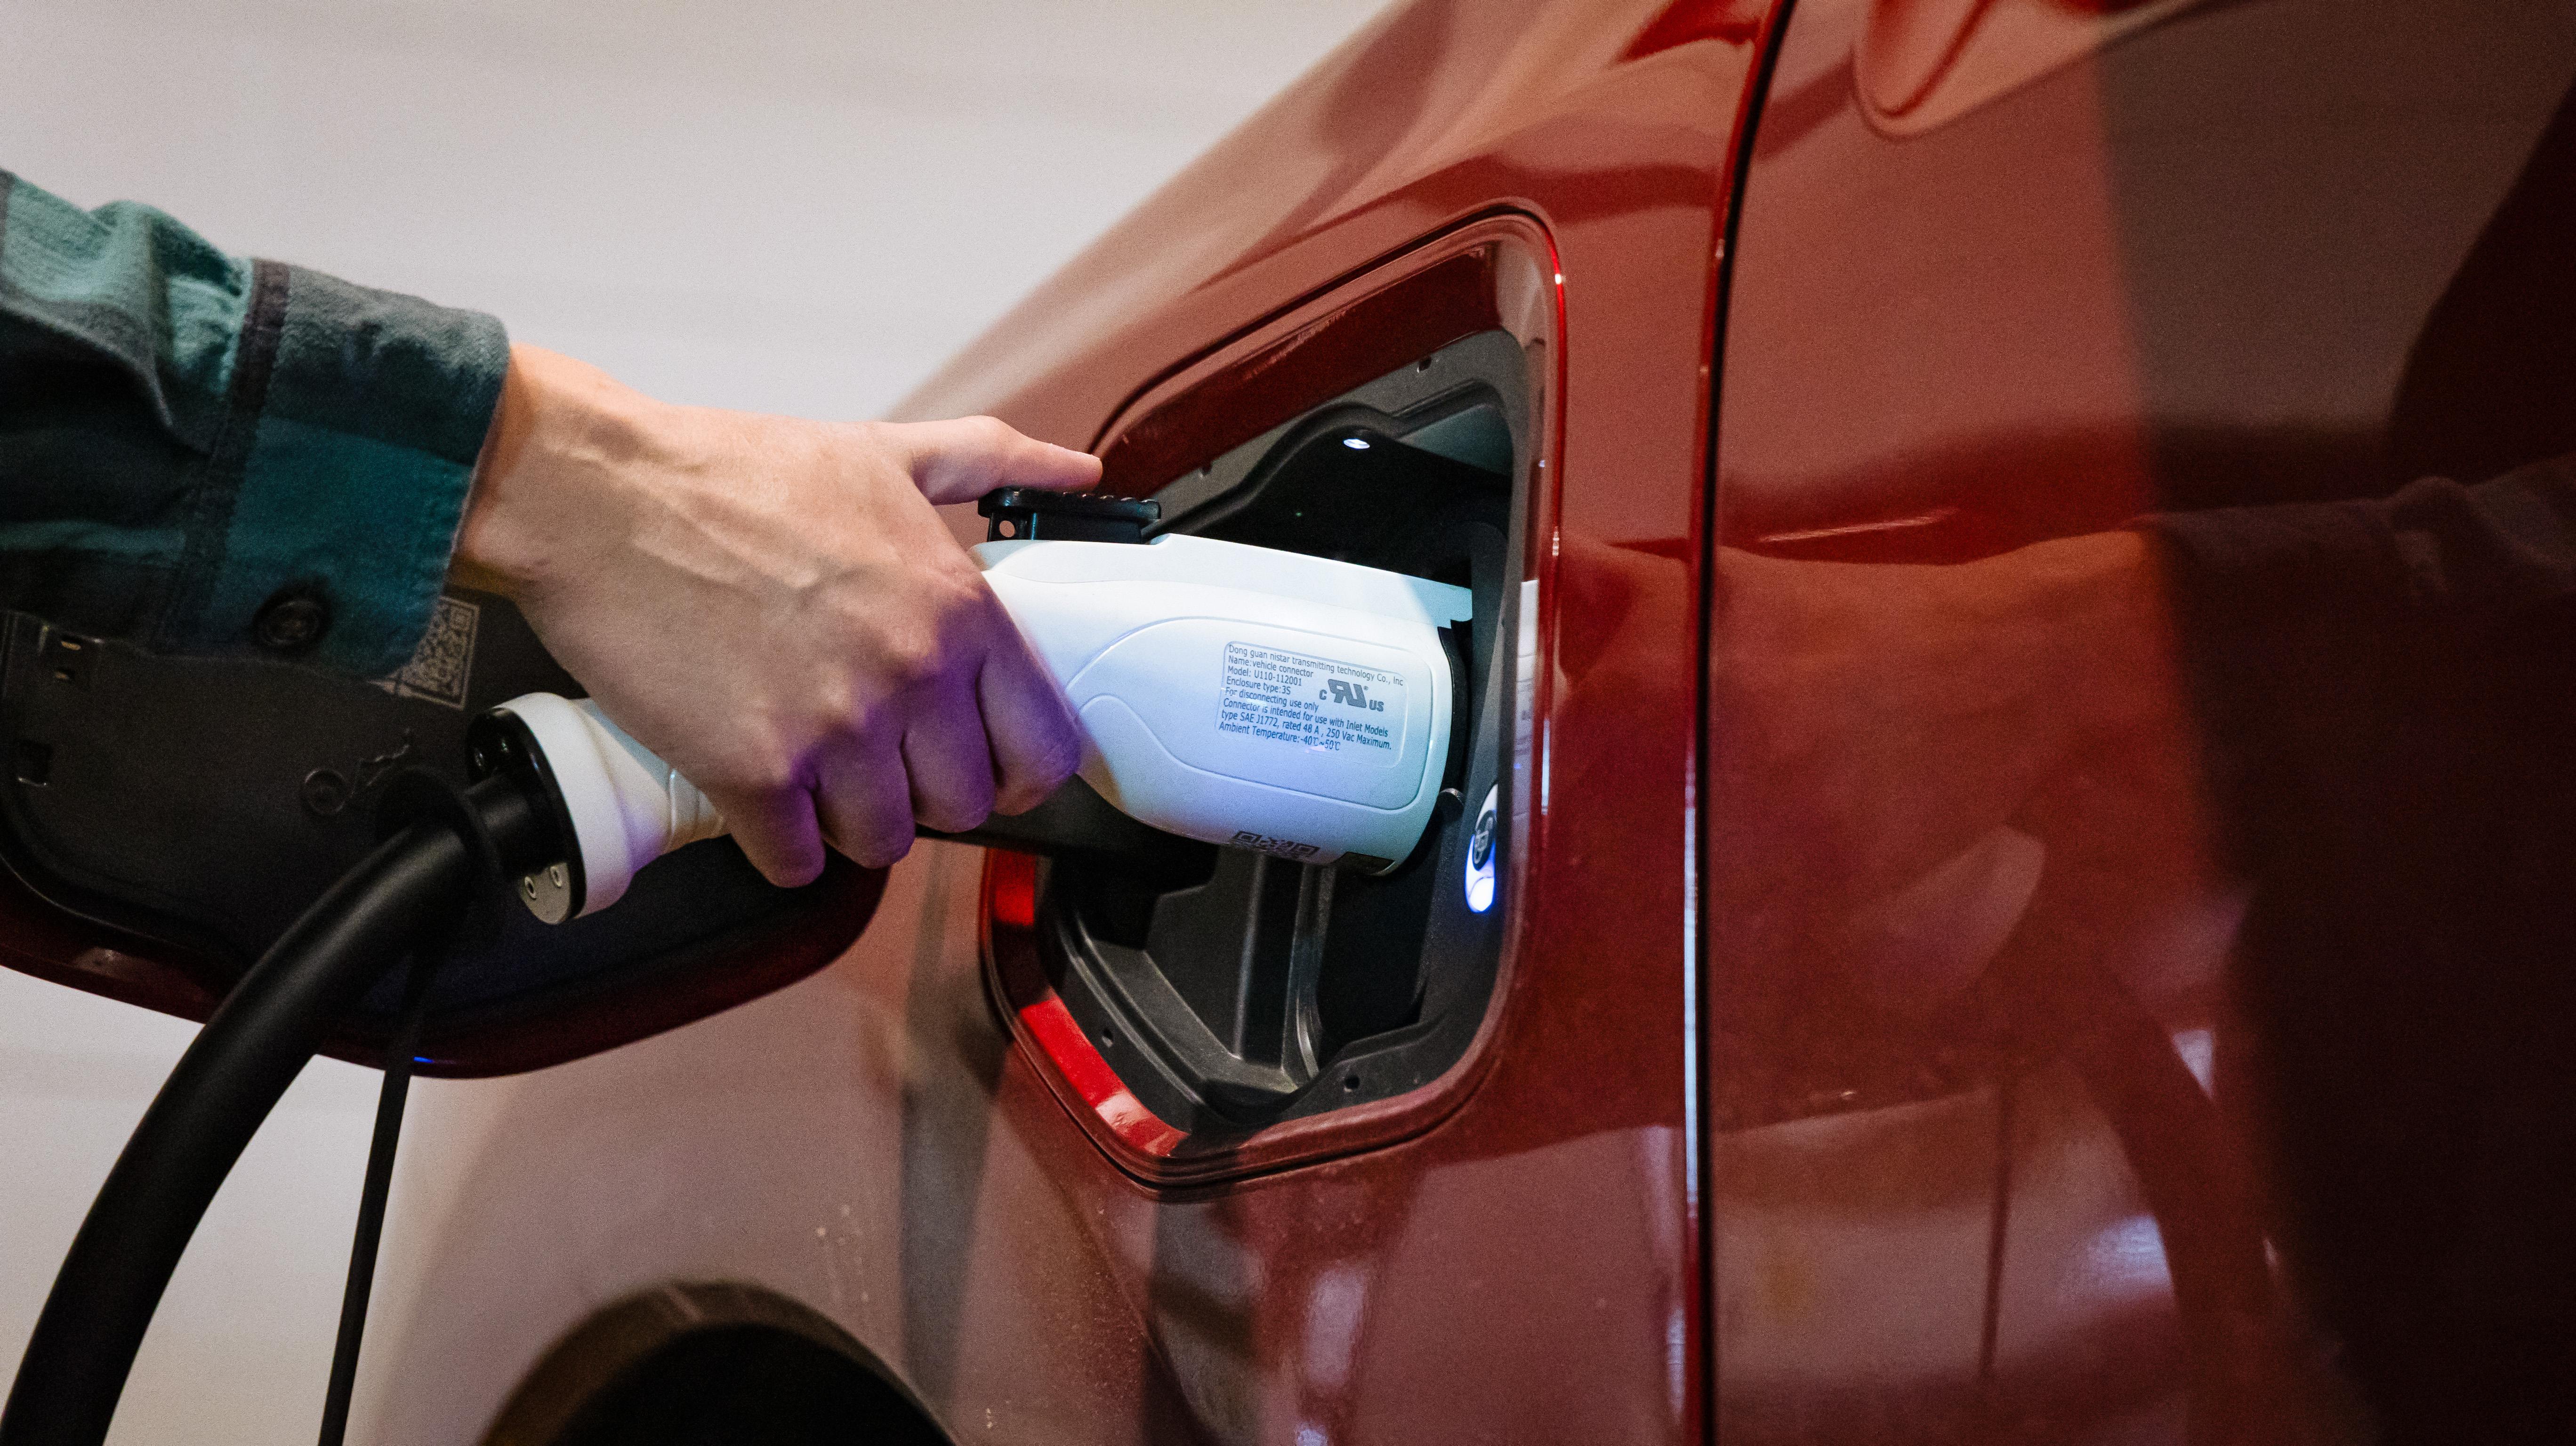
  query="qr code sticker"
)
[{"x": 444, "y": 661}]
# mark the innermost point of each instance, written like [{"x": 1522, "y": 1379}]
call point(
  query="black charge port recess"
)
[{"x": 1254, "y": 989}]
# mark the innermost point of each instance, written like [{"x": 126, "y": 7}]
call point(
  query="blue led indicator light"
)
[{"x": 1481, "y": 850}]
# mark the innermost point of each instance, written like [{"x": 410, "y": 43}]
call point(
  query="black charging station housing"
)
[{"x": 200, "y": 805}]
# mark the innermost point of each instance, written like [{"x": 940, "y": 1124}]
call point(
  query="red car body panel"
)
[
  {"x": 1526, "y": 1264},
  {"x": 1904, "y": 282},
  {"x": 1982, "y": 292},
  {"x": 1513, "y": 1252}
]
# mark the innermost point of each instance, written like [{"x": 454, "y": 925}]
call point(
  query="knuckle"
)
[
  {"x": 935, "y": 644},
  {"x": 775, "y": 774},
  {"x": 913, "y": 659},
  {"x": 761, "y": 763}
]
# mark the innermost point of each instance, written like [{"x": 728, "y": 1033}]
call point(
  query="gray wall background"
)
[{"x": 787, "y": 205}]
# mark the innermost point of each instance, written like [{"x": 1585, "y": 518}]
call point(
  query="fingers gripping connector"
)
[{"x": 615, "y": 804}]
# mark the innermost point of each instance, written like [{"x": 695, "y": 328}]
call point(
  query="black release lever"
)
[{"x": 1030, "y": 514}]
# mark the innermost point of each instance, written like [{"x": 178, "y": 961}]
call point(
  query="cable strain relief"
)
[
  {"x": 417, "y": 793},
  {"x": 417, "y": 796}
]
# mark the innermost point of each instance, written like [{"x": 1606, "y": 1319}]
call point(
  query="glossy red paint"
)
[
  {"x": 1965, "y": 1153},
  {"x": 1494, "y": 272},
  {"x": 1385, "y": 327},
  {"x": 1966, "y": 1176},
  {"x": 1734, "y": 22},
  {"x": 1525, "y": 1264},
  {"x": 1746, "y": 1151},
  {"x": 1989, "y": 1153},
  {"x": 41, "y": 940},
  {"x": 1984, "y": 418}
]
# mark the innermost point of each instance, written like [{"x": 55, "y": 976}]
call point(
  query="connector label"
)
[
  {"x": 1313, "y": 703},
  {"x": 1262, "y": 843}
]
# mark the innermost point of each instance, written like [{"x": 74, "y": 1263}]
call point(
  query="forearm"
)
[{"x": 522, "y": 523}]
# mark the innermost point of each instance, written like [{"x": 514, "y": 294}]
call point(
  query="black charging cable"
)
[
  {"x": 447, "y": 846},
  {"x": 399, "y": 1059}
]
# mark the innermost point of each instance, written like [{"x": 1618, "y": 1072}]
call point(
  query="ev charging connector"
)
[
  {"x": 1241, "y": 696},
  {"x": 615, "y": 804},
  {"x": 1251, "y": 698}
]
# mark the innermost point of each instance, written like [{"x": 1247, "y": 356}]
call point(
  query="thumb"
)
[{"x": 962, "y": 459}]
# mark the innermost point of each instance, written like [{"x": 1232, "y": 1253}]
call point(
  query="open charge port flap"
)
[{"x": 1243, "y": 989}]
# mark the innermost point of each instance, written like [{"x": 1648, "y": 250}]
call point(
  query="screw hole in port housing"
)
[
  {"x": 323, "y": 793},
  {"x": 1351, "y": 1082}
]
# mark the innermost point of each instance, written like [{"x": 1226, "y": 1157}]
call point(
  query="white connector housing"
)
[
  {"x": 1257, "y": 699},
  {"x": 627, "y": 806},
  {"x": 1244, "y": 696}
]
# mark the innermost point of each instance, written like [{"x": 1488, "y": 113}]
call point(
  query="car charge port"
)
[{"x": 1254, "y": 989}]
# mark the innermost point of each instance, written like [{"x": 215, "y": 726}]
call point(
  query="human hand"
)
[{"x": 773, "y": 607}]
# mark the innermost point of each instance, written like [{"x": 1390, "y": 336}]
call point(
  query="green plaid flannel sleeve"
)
[{"x": 188, "y": 439}]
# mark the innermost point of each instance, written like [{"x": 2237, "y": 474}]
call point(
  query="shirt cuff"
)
[{"x": 338, "y": 476}]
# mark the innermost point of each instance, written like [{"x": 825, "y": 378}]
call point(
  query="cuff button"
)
[{"x": 291, "y": 622}]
